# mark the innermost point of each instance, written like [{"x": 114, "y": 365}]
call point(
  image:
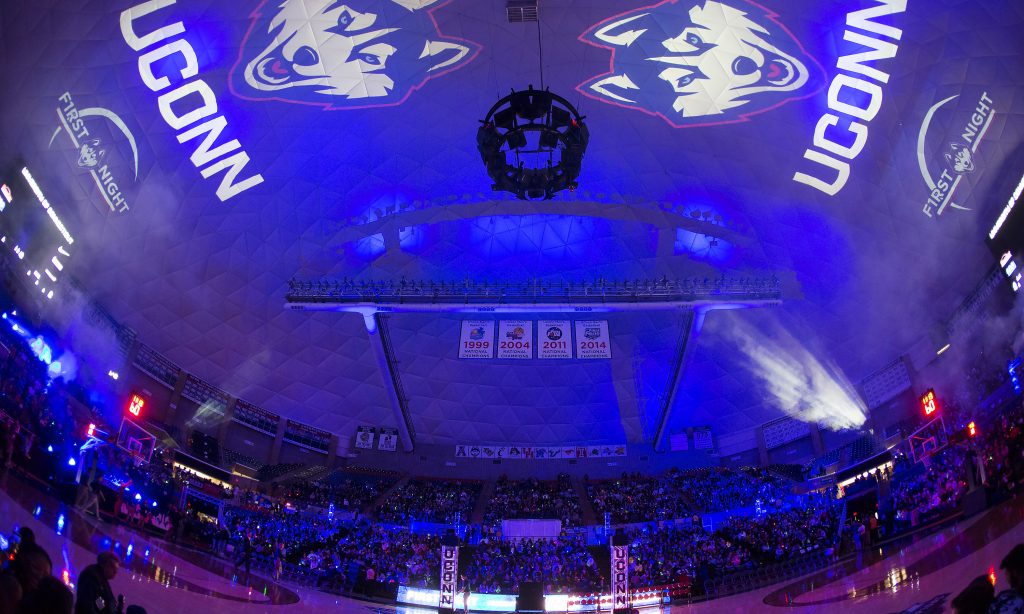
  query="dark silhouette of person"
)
[
  {"x": 1012, "y": 599},
  {"x": 94, "y": 593}
]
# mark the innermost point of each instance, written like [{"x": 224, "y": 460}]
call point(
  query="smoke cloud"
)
[
  {"x": 87, "y": 333},
  {"x": 805, "y": 387}
]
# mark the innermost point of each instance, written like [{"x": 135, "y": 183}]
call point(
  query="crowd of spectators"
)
[
  {"x": 376, "y": 558},
  {"x": 637, "y": 498},
  {"x": 718, "y": 489},
  {"x": 348, "y": 492},
  {"x": 1003, "y": 455},
  {"x": 936, "y": 491},
  {"x": 534, "y": 499},
  {"x": 440, "y": 501},
  {"x": 675, "y": 494},
  {"x": 563, "y": 565},
  {"x": 289, "y": 529},
  {"x": 666, "y": 554}
]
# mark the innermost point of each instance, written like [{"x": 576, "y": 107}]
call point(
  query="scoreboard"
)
[
  {"x": 33, "y": 232},
  {"x": 1006, "y": 237}
]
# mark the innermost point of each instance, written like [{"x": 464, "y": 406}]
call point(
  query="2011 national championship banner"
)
[
  {"x": 472, "y": 451},
  {"x": 554, "y": 339}
]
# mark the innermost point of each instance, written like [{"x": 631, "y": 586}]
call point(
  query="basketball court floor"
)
[{"x": 919, "y": 576}]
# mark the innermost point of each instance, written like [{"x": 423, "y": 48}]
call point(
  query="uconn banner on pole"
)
[
  {"x": 449, "y": 574},
  {"x": 620, "y": 577}
]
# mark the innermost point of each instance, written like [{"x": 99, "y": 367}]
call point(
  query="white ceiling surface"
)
[
  {"x": 204, "y": 282},
  {"x": 535, "y": 401}
]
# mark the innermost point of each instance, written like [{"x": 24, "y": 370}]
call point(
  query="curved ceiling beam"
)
[{"x": 651, "y": 214}]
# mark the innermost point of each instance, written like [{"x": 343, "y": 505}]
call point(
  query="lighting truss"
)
[
  {"x": 531, "y": 126},
  {"x": 411, "y": 295}
]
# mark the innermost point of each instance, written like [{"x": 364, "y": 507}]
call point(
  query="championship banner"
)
[
  {"x": 702, "y": 439},
  {"x": 620, "y": 577},
  {"x": 515, "y": 339},
  {"x": 679, "y": 442},
  {"x": 364, "y": 437},
  {"x": 477, "y": 340},
  {"x": 592, "y": 339},
  {"x": 388, "y": 439},
  {"x": 554, "y": 339},
  {"x": 449, "y": 575}
]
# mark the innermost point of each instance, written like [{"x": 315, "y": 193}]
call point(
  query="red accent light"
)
[
  {"x": 91, "y": 432},
  {"x": 135, "y": 405},
  {"x": 928, "y": 403},
  {"x": 971, "y": 429},
  {"x": 991, "y": 572}
]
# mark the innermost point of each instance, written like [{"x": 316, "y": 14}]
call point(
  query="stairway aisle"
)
[
  {"x": 586, "y": 509},
  {"x": 480, "y": 508},
  {"x": 369, "y": 510}
]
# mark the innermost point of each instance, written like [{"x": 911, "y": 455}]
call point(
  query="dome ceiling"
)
[{"x": 205, "y": 152}]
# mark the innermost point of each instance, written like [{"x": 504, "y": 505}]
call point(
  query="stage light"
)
[
  {"x": 516, "y": 139},
  {"x": 972, "y": 430},
  {"x": 91, "y": 431},
  {"x": 505, "y": 119},
  {"x": 71, "y": 461},
  {"x": 531, "y": 104},
  {"x": 560, "y": 118},
  {"x": 549, "y": 139}
]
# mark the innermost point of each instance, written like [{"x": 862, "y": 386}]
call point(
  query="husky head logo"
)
[
  {"x": 701, "y": 62},
  {"x": 960, "y": 158},
  {"x": 90, "y": 154},
  {"x": 344, "y": 53}
]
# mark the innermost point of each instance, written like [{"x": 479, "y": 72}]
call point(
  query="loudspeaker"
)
[{"x": 531, "y": 597}]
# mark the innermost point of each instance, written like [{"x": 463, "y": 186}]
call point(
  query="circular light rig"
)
[{"x": 518, "y": 140}]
